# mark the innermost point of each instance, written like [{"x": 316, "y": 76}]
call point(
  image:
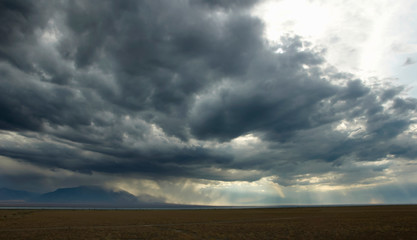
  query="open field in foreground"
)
[{"x": 369, "y": 222}]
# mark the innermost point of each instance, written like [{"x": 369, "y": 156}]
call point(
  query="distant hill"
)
[
  {"x": 83, "y": 196},
  {"x": 7, "y": 194},
  {"x": 87, "y": 195}
]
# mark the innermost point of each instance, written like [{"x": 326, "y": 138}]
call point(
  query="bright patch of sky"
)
[{"x": 374, "y": 39}]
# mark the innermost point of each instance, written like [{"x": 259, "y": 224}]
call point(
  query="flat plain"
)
[{"x": 353, "y": 222}]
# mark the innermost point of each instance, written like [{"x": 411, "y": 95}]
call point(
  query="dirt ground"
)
[{"x": 365, "y": 222}]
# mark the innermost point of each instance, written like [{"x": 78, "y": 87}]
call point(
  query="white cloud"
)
[{"x": 367, "y": 38}]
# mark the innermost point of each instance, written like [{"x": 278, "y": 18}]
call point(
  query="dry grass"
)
[{"x": 370, "y": 222}]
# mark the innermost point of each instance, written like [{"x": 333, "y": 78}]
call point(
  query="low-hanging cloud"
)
[{"x": 163, "y": 89}]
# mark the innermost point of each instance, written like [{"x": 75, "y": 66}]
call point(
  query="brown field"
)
[{"x": 369, "y": 222}]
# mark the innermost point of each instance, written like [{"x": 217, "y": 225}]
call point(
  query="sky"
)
[{"x": 212, "y": 102}]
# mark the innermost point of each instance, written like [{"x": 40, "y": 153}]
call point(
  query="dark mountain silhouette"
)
[
  {"x": 86, "y": 194},
  {"x": 7, "y": 194},
  {"x": 83, "y": 196}
]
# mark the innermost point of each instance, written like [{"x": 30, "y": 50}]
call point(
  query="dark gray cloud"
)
[
  {"x": 161, "y": 89},
  {"x": 232, "y": 4}
]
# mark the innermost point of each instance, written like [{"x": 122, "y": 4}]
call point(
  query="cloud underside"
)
[{"x": 187, "y": 90}]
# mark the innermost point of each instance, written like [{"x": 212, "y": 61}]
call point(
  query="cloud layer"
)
[{"x": 187, "y": 90}]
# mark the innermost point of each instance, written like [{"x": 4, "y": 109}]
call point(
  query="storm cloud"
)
[{"x": 187, "y": 90}]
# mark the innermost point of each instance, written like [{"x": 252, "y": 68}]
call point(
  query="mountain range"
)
[
  {"x": 80, "y": 196},
  {"x": 7, "y": 194}
]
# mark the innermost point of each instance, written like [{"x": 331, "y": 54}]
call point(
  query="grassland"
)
[{"x": 366, "y": 222}]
